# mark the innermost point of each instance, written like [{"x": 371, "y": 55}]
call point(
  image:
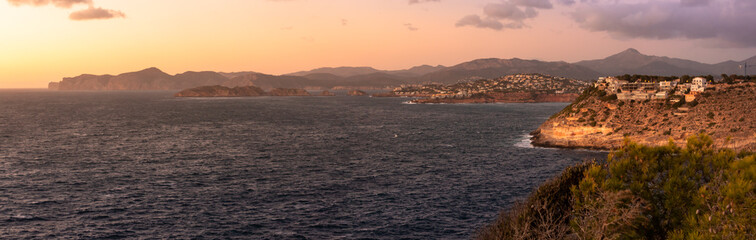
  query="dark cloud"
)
[
  {"x": 694, "y": 3},
  {"x": 476, "y": 21},
  {"x": 505, "y": 14},
  {"x": 410, "y": 27},
  {"x": 566, "y": 2},
  {"x": 730, "y": 21},
  {"x": 422, "y": 1},
  {"x": 57, "y": 3},
  {"x": 95, "y": 13},
  {"x": 543, "y": 4},
  {"x": 509, "y": 11},
  {"x": 86, "y": 14}
]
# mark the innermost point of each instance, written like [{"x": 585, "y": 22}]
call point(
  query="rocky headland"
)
[
  {"x": 595, "y": 121},
  {"x": 517, "y": 88},
  {"x": 245, "y": 91}
]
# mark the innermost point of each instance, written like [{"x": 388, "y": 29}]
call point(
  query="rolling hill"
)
[{"x": 630, "y": 61}]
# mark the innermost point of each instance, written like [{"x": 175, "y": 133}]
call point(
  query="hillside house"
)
[
  {"x": 698, "y": 85},
  {"x": 661, "y": 95},
  {"x": 667, "y": 85},
  {"x": 682, "y": 89},
  {"x": 614, "y": 85}
]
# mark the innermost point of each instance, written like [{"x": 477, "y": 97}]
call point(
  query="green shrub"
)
[
  {"x": 668, "y": 181},
  {"x": 642, "y": 192},
  {"x": 545, "y": 213}
]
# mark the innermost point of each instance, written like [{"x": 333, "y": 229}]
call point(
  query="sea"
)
[{"x": 146, "y": 165}]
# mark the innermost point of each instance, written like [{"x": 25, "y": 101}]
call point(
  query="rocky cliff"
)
[
  {"x": 726, "y": 113},
  {"x": 147, "y": 79}
]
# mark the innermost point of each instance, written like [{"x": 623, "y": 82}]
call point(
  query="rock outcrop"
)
[
  {"x": 726, "y": 113},
  {"x": 326, "y": 94},
  {"x": 244, "y": 91},
  {"x": 53, "y": 86},
  {"x": 281, "y": 92},
  {"x": 221, "y": 91},
  {"x": 356, "y": 93}
]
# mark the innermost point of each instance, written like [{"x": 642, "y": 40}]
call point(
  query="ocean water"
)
[{"x": 145, "y": 165}]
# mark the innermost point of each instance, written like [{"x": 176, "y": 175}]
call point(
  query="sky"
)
[{"x": 45, "y": 40}]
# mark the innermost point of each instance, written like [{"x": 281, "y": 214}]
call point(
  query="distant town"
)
[
  {"x": 642, "y": 88},
  {"x": 534, "y": 83}
]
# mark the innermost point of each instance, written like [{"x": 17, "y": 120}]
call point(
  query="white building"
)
[{"x": 698, "y": 85}]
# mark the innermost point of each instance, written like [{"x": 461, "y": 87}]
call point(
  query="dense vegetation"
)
[{"x": 641, "y": 192}]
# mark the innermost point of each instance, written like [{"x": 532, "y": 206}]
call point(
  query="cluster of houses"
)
[
  {"x": 641, "y": 91},
  {"x": 510, "y": 83}
]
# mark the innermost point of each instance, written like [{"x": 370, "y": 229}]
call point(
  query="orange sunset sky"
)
[{"x": 46, "y": 40}]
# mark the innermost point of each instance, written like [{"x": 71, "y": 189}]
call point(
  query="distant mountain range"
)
[{"x": 629, "y": 61}]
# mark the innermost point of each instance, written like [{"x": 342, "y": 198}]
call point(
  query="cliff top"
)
[{"x": 595, "y": 120}]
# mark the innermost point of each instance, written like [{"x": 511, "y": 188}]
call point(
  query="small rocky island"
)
[
  {"x": 326, "y": 93},
  {"x": 246, "y": 91},
  {"x": 518, "y": 88},
  {"x": 652, "y": 113},
  {"x": 357, "y": 93}
]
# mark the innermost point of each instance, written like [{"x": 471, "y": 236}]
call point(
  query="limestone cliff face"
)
[
  {"x": 53, "y": 86},
  {"x": 726, "y": 113},
  {"x": 147, "y": 79}
]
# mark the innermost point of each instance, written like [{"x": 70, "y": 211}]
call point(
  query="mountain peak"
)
[
  {"x": 152, "y": 70},
  {"x": 632, "y": 51}
]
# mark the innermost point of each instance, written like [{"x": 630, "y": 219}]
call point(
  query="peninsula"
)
[
  {"x": 653, "y": 113},
  {"x": 246, "y": 91},
  {"x": 506, "y": 89}
]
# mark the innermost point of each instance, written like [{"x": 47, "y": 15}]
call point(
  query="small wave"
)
[
  {"x": 24, "y": 218},
  {"x": 525, "y": 142}
]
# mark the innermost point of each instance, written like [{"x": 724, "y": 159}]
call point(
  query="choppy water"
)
[{"x": 147, "y": 165}]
